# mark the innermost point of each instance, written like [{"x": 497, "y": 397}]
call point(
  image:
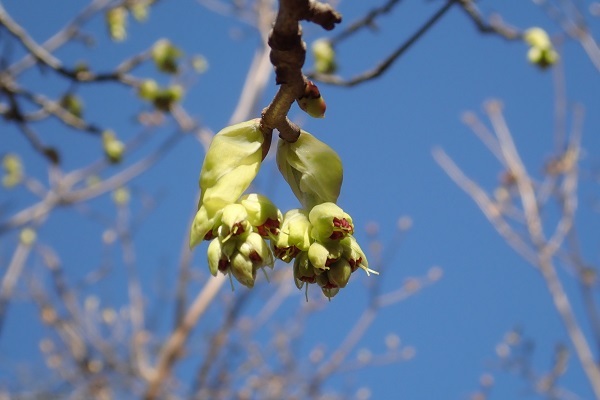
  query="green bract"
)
[
  {"x": 262, "y": 214},
  {"x": 231, "y": 163},
  {"x": 311, "y": 168}
]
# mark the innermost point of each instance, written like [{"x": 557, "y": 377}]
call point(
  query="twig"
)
[
  {"x": 11, "y": 276},
  {"x": 365, "y": 22},
  {"x": 389, "y": 61},
  {"x": 494, "y": 28}
]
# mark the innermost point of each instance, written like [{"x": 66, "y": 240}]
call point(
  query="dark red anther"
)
[
  {"x": 254, "y": 257},
  {"x": 271, "y": 226},
  {"x": 330, "y": 285},
  {"x": 223, "y": 265},
  {"x": 336, "y": 235},
  {"x": 343, "y": 224}
]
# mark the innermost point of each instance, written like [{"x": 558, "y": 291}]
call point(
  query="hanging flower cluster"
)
[{"x": 246, "y": 232}]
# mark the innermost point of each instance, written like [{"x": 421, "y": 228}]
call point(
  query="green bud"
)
[
  {"x": 294, "y": 235},
  {"x": 537, "y": 37},
  {"x": 243, "y": 270},
  {"x": 312, "y": 102},
  {"x": 323, "y": 255},
  {"x": 166, "y": 56},
  {"x": 353, "y": 253},
  {"x": 27, "y": 236},
  {"x": 121, "y": 196},
  {"x": 113, "y": 148},
  {"x": 116, "y": 20},
  {"x": 339, "y": 273},
  {"x": 542, "y": 52},
  {"x": 312, "y": 169},
  {"x": 140, "y": 10},
  {"x": 304, "y": 271},
  {"x": 542, "y": 57},
  {"x": 329, "y": 222},
  {"x": 13, "y": 170},
  {"x": 234, "y": 222},
  {"x": 148, "y": 89},
  {"x": 263, "y": 215},
  {"x": 324, "y": 55},
  {"x": 73, "y": 104},
  {"x": 216, "y": 259},
  {"x": 164, "y": 99},
  {"x": 256, "y": 249}
]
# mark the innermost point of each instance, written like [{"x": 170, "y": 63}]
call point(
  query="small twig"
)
[
  {"x": 389, "y": 61},
  {"x": 11, "y": 276},
  {"x": 494, "y": 28},
  {"x": 367, "y": 21}
]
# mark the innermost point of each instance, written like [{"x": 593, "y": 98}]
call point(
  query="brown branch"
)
[{"x": 288, "y": 53}]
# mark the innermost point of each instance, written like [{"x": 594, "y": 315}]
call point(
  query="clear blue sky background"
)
[{"x": 384, "y": 132}]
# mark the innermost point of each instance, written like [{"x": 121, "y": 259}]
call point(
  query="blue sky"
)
[{"x": 384, "y": 131}]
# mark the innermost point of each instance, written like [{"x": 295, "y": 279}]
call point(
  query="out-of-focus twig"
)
[{"x": 389, "y": 60}]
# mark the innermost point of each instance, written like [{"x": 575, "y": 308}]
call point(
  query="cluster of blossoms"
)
[{"x": 247, "y": 232}]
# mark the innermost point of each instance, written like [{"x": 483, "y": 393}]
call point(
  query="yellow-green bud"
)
[
  {"x": 148, "y": 89},
  {"x": 166, "y": 56},
  {"x": 339, "y": 273},
  {"x": 256, "y": 249},
  {"x": 263, "y": 215},
  {"x": 304, "y": 272},
  {"x": 311, "y": 101},
  {"x": 73, "y": 104},
  {"x": 537, "y": 37},
  {"x": 13, "y": 170},
  {"x": 322, "y": 255},
  {"x": 140, "y": 10},
  {"x": 294, "y": 235},
  {"x": 121, "y": 196},
  {"x": 542, "y": 57},
  {"x": 542, "y": 52},
  {"x": 164, "y": 99},
  {"x": 116, "y": 20},
  {"x": 234, "y": 222},
  {"x": 113, "y": 148},
  {"x": 216, "y": 259},
  {"x": 27, "y": 236},
  {"x": 330, "y": 222},
  {"x": 243, "y": 270},
  {"x": 324, "y": 55}
]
